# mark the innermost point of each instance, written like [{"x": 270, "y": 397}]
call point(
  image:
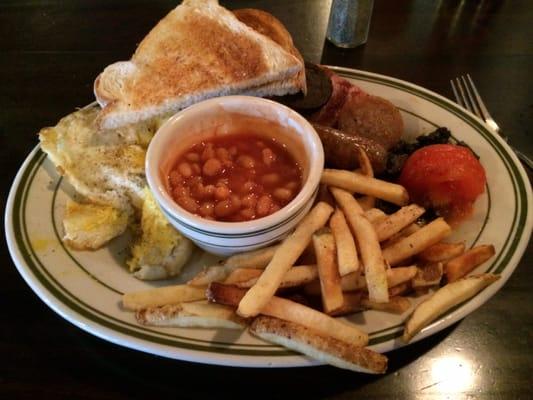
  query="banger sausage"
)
[
  {"x": 340, "y": 149},
  {"x": 371, "y": 116}
]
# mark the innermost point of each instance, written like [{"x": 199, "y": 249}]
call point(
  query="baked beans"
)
[{"x": 235, "y": 178}]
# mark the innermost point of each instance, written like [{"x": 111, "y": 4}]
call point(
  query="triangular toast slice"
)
[
  {"x": 268, "y": 25},
  {"x": 199, "y": 50}
]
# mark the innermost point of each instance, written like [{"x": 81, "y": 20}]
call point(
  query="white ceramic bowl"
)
[{"x": 226, "y": 115}]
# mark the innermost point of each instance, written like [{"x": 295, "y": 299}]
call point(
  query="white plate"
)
[{"x": 85, "y": 287}]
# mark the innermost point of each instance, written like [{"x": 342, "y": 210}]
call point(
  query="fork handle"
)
[
  {"x": 521, "y": 156},
  {"x": 524, "y": 158}
]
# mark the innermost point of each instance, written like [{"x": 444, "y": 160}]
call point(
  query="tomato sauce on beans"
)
[{"x": 235, "y": 178}]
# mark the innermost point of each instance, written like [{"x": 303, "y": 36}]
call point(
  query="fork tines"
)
[{"x": 468, "y": 97}]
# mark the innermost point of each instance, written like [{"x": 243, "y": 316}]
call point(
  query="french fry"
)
[
  {"x": 318, "y": 346},
  {"x": 394, "y": 223},
  {"x": 251, "y": 259},
  {"x": 375, "y": 215},
  {"x": 396, "y": 305},
  {"x": 256, "y": 259},
  {"x": 366, "y": 202},
  {"x": 221, "y": 293},
  {"x": 328, "y": 271},
  {"x": 284, "y": 257},
  {"x": 291, "y": 311},
  {"x": 294, "y": 277},
  {"x": 206, "y": 309},
  {"x": 215, "y": 273},
  {"x": 206, "y": 316},
  {"x": 365, "y": 166},
  {"x": 161, "y": 296},
  {"x": 428, "y": 275},
  {"x": 443, "y": 299},
  {"x": 242, "y": 275},
  {"x": 461, "y": 265},
  {"x": 410, "y": 229},
  {"x": 346, "y": 251},
  {"x": 413, "y": 244},
  {"x": 397, "y": 276},
  {"x": 354, "y": 281},
  {"x": 368, "y": 244},
  {"x": 441, "y": 252},
  {"x": 400, "y": 289},
  {"x": 352, "y": 304},
  {"x": 320, "y": 322},
  {"x": 407, "y": 231},
  {"x": 357, "y": 183}
]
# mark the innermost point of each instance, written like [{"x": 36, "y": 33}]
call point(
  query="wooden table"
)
[{"x": 50, "y": 53}]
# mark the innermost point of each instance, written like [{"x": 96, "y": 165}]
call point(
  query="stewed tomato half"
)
[{"x": 445, "y": 177}]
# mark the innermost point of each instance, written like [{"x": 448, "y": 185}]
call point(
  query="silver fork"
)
[{"x": 468, "y": 97}]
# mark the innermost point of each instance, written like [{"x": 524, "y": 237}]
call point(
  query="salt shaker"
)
[{"x": 349, "y": 21}]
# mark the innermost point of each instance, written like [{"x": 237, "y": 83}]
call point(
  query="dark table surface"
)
[{"x": 50, "y": 53}]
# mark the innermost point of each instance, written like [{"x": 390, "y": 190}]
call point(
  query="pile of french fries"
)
[{"x": 344, "y": 257}]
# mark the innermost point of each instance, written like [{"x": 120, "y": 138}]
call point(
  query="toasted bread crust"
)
[
  {"x": 231, "y": 57},
  {"x": 268, "y": 25},
  {"x": 199, "y": 50}
]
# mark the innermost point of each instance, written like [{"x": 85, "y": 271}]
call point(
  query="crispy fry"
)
[
  {"x": 257, "y": 259},
  {"x": 364, "y": 163},
  {"x": 161, "y": 296},
  {"x": 176, "y": 315},
  {"x": 375, "y": 215},
  {"x": 320, "y": 322},
  {"x": 357, "y": 183},
  {"x": 352, "y": 304},
  {"x": 206, "y": 309},
  {"x": 368, "y": 244},
  {"x": 284, "y": 258},
  {"x": 394, "y": 223},
  {"x": 428, "y": 235},
  {"x": 251, "y": 259},
  {"x": 396, "y": 305},
  {"x": 443, "y": 299},
  {"x": 428, "y": 275},
  {"x": 399, "y": 275},
  {"x": 354, "y": 281},
  {"x": 328, "y": 271},
  {"x": 400, "y": 289},
  {"x": 215, "y": 273},
  {"x": 459, "y": 266},
  {"x": 346, "y": 251},
  {"x": 295, "y": 276},
  {"x": 318, "y": 346},
  {"x": 366, "y": 202},
  {"x": 242, "y": 275},
  {"x": 407, "y": 231},
  {"x": 410, "y": 229},
  {"x": 441, "y": 252},
  {"x": 290, "y": 311}
]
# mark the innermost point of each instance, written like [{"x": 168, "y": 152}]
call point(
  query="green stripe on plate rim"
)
[
  {"x": 153, "y": 336},
  {"x": 68, "y": 299},
  {"x": 519, "y": 188}
]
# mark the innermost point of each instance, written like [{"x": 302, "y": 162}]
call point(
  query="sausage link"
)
[{"x": 340, "y": 149}]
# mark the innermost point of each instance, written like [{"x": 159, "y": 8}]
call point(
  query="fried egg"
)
[{"x": 106, "y": 167}]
